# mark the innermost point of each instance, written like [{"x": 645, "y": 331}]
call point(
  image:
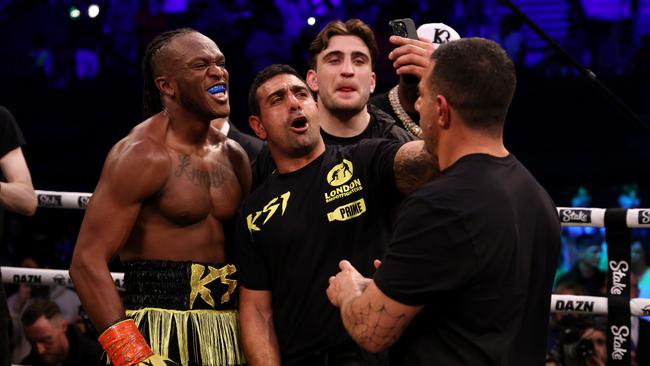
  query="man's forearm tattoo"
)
[
  {"x": 201, "y": 177},
  {"x": 373, "y": 325}
]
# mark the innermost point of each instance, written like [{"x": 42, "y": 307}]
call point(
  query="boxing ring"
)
[{"x": 618, "y": 305}]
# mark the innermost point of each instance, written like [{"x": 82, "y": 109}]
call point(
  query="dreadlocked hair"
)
[{"x": 151, "y": 96}]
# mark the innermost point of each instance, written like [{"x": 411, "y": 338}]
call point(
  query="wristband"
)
[{"x": 124, "y": 344}]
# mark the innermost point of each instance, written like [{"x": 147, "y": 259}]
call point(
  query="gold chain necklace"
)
[{"x": 406, "y": 120}]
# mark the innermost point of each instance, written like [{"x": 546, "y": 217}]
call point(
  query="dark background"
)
[{"x": 560, "y": 126}]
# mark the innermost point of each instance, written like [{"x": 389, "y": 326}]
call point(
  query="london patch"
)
[
  {"x": 347, "y": 212},
  {"x": 340, "y": 173}
]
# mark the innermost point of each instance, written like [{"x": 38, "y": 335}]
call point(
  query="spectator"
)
[
  {"x": 54, "y": 342},
  {"x": 585, "y": 272}
]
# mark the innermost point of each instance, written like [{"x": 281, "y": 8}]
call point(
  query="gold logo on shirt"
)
[
  {"x": 198, "y": 283},
  {"x": 347, "y": 212},
  {"x": 340, "y": 173},
  {"x": 269, "y": 209}
]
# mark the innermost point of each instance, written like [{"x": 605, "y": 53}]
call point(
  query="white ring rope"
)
[
  {"x": 559, "y": 303},
  {"x": 594, "y": 305},
  {"x": 53, "y": 199},
  {"x": 569, "y": 216},
  {"x": 595, "y": 217},
  {"x": 42, "y": 276}
]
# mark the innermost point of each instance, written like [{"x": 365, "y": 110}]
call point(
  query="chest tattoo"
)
[{"x": 213, "y": 177}]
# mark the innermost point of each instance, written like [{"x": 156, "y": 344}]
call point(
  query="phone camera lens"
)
[{"x": 399, "y": 29}]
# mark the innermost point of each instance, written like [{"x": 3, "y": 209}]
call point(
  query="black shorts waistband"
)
[{"x": 180, "y": 285}]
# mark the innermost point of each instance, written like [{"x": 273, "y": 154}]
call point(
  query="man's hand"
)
[
  {"x": 411, "y": 56},
  {"x": 372, "y": 319},
  {"x": 347, "y": 284}
]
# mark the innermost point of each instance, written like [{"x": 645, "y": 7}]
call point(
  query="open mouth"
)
[
  {"x": 217, "y": 89},
  {"x": 299, "y": 123}
]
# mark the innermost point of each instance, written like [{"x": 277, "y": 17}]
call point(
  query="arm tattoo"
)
[
  {"x": 413, "y": 168},
  {"x": 372, "y": 325},
  {"x": 201, "y": 177}
]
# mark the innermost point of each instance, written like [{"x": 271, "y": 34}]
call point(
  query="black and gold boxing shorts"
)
[{"x": 186, "y": 311}]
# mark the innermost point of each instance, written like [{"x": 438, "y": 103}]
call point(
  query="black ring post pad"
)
[{"x": 618, "y": 238}]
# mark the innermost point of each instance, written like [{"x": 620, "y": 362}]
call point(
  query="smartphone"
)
[{"x": 404, "y": 27}]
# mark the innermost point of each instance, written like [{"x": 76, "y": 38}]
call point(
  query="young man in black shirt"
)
[
  {"x": 342, "y": 60},
  {"x": 341, "y": 71},
  {"x": 467, "y": 277},
  {"x": 322, "y": 204}
]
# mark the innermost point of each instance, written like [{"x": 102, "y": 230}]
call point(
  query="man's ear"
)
[
  {"x": 312, "y": 80},
  {"x": 373, "y": 83},
  {"x": 444, "y": 113},
  {"x": 63, "y": 325},
  {"x": 256, "y": 125},
  {"x": 165, "y": 86}
]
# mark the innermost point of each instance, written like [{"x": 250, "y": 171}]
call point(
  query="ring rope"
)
[
  {"x": 559, "y": 303},
  {"x": 42, "y": 276},
  {"x": 54, "y": 199},
  {"x": 569, "y": 216},
  {"x": 594, "y": 305}
]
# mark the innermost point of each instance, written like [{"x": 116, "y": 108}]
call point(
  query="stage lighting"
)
[
  {"x": 93, "y": 10},
  {"x": 74, "y": 12}
]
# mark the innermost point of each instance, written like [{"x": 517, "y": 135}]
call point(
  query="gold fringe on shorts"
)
[{"x": 216, "y": 341}]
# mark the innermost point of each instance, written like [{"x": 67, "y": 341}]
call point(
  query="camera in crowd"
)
[{"x": 580, "y": 341}]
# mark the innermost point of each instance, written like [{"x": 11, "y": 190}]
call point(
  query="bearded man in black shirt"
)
[
  {"x": 322, "y": 204},
  {"x": 467, "y": 276}
]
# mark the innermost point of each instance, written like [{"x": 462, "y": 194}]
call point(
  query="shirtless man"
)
[{"x": 160, "y": 204}]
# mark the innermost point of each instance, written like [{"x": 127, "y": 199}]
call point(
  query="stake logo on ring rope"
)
[
  {"x": 575, "y": 216},
  {"x": 619, "y": 271},
  {"x": 49, "y": 200},
  {"x": 621, "y": 335},
  {"x": 644, "y": 217},
  {"x": 82, "y": 201}
]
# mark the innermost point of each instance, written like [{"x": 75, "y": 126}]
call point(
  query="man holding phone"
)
[
  {"x": 410, "y": 60},
  {"x": 342, "y": 62}
]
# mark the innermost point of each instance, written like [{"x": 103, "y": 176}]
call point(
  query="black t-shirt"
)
[
  {"x": 296, "y": 227},
  {"x": 251, "y": 144},
  {"x": 381, "y": 125},
  {"x": 478, "y": 246},
  {"x": 10, "y": 135}
]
